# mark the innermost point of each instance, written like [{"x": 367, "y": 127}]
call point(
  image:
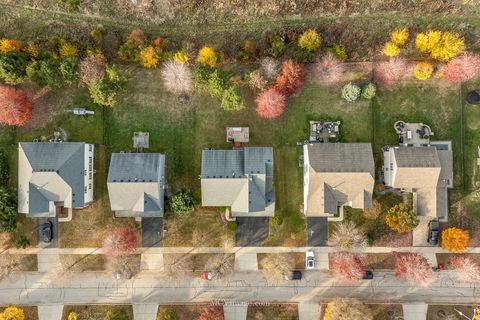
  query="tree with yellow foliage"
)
[
  {"x": 440, "y": 45},
  {"x": 207, "y": 57},
  {"x": 423, "y": 70},
  {"x": 72, "y": 316},
  {"x": 390, "y": 49},
  {"x": 149, "y": 57},
  {"x": 12, "y": 313},
  {"x": 9, "y": 45},
  {"x": 180, "y": 57},
  {"x": 399, "y": 36},
  {"x": 67, "y": 49},
  {"x": 310, "y": 40},
  {"x": 32, "y": 49},
  {"x": 455, "y": 240}
]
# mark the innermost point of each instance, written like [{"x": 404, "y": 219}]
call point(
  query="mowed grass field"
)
[{"x": 181, "y": 131}]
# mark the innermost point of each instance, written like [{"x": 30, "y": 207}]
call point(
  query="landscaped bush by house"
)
[
  {"x": 440, "y": 45},
  {"x": 232, "y": 225},
  {"x": 390, "y": 49},
  {"x": 270, "y": 104},
  {"x": 182, "y": 202},
  {"x": 309, "y": 40},
  {"x": 105, "y": 90},
  {"x": 414, "y": 268},
  {"x": 391, "y": 71},
  {"x": 462, "y": 68},
  {"x": 329, "y": 70},
  {"x": 423, "y": 70},
  {"x": 231, "y": 100},
  {"x": 401, "y": 218},
  {"x": 455, "y": 240},
  {"x": 149, "y": 57},
  {"x": 256, "y": 81},
  {"x": 369, "y": 91},
  {"x": 15, "y": 106},
  {"x": 399, "y": 36},
  {"x": 351, "y": 92},
  {"x": 177, "y": 77},
  {"x": 270, "y": 67},
  {"x": 8, "y": 211},
  {"x": 291, "y": 77},
  {"x": 347, "y": 267},
  {"x": 12, "y": 67},
  {"x": 207, "y": 56}
]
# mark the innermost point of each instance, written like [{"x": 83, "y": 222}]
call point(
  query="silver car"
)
[{"x": 310, "y": 260}]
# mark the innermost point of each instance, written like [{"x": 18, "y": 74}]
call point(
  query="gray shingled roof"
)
[
  {"x": 65, "y": 159},
  {"x": 417, "y": 157},
  {"x": 252, "y": 165},
  {"x": 341, "y": 157},
  {"x": 136, "y": 184},
  {"x": 38, "y": 203}
]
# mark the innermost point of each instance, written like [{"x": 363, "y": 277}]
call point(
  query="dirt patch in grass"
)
[
  {"x": 272, "y": 311},
  {"x": 378, "y": 261},
  {"x": 185, "y": 312},
  {"x": 95, "y": 312},
  {"x": 30, "y": 312},
  {"x": 297, "y": 259},
  {"x": 440, "y": 312}
]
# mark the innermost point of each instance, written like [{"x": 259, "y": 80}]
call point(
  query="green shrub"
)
[
  {"x": 52, "y": 72},
  {"x": 338, "y": 52},
  {"x": 216, "y": 84},
  {"x": 21, "y": 242},
  {"x": 167, "y": 314},
  {"x": 303, "y": 56},
  {"x": 129, "y": 51},
  {"x": 231, "y": 100},
  {"x": 370, "y": 239},
  {"x": 232, "y": 225},
  {"x": 369, "y": 90},
  {"x": 104, "y": 90},
  {"x": 277, "y": 46},
  {"x": 276, "y": 221},
  {"x": 351, "y": 92},
  {"x": 4, "y": 170},
  {"x": 200, "y": 76},
  {"x": 182, "y": 202},
  {"x": 12, "y": 68},
  {"x": 69, "y": 70},
  {"x": 8, "y": 211},
  {"x": 116, "y": 314}
]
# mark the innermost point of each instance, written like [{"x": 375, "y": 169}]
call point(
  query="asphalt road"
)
[{"x": 152, "y": 287}]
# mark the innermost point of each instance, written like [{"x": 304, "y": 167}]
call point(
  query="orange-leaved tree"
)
[
  {"x": 270, "y": 104},
  {"x": 455, "y": 240},
  {"x": 15, "y": 106},
  {"x": 291, "y": 77}
]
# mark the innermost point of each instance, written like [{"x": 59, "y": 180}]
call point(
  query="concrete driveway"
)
[
  {"x": 251, "y": 231},
  {"x": 317, "y": 231},
  {"x": 152, "y": 229},
  {"x": 55, "y": 226}
]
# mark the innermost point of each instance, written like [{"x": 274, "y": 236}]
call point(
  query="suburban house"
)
[
  {"x": 424, "y": 171},
  {"x": 241, "y": 179},
  {"x": 136, "y": 184},
  {"x": 54, "y": 174},
  {"x": 337, "y": 175}
]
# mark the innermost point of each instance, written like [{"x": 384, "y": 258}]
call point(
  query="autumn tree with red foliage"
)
[
  {"x": 347, "y": 267},
  {"x": 391, "y": 71},
  {"x": 290, "y": 78},
  {"x": 462, "y": 68},
  {"x": 414, "y": 268},
  {"x": 211, "y": 313},
  {"x": 270, "y": 104},
  {"x": 120, "y": 241},
  {"x": 15, "y": 106}
]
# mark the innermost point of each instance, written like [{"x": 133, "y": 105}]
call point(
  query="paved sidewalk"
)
[
  {"x": 235, "y": 311},
  {"x": 415, "y": 311},
  {"x": 145, "y": 311},
  {"x": 50, "y": 312},
  {"x": 246, "y": 261},
  {"x": 48, "y": 263},
  {"x": 308, "y": 310}
]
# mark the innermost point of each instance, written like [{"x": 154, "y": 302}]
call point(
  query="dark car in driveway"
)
[
  {"x": 47, "y": 233},
  {"x": 433, "y": 232},
  {"x": 293, "y": 275}
]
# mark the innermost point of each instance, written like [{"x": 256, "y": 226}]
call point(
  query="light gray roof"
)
[
  {"x": 341, "y": 157},
  {"x": 38, "y": 203},
  {"x": 239, "y": 178},
  {"x": 417, "y": 157},
  {"x": 66, "y": 159},
  {"x": 136, "y": 184}
]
